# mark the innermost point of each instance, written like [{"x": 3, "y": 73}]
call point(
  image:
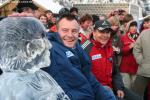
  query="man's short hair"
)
[{"x": 68, "y": 17}]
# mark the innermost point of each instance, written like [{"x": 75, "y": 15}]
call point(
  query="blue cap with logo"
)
[{"x": 102, "y": 25}]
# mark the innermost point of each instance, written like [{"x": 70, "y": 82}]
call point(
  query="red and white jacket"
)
[{"x": 102, "y": 62}]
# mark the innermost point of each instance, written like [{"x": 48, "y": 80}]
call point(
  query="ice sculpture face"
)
[{"x": 23, "y": 45}]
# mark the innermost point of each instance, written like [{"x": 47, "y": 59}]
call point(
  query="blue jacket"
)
[{"x": 71, "y": 69}]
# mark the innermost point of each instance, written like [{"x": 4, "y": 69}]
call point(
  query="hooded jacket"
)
[
  {"x": 128, "y": 62},
  {"x": 71, "y": 69}
]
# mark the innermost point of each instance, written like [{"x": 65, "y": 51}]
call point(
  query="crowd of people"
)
[{"x": 93, "y": 57}]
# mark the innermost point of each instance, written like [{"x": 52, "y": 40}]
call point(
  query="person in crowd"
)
[
  {"x": 25, "y": 8},
  {"x": 85, "y": 27},
  {"x": 24, "y": 49},
  {"x": 141, "y": 53},
  {"x": 52, "y": 27},
  {"x": 102, "y": 17},
  {"x": 101, "y": 55},
  {"x": 121, "y": 16},
  {"x": 49, "y": 14},
  {"x": 145, "y": 24},
  {"x": 128, "y": 18},
  {"x": 63, "y": 11},
  {"x": 113, "y": 13},
  {"x": 70, "y": 65},
  {"x": 43, "y": 18},
  {"x": 116, "y": 42},
  {"x": 74, "y": 11},
  {"x": 95, "y": 18},
  {"x": 128, "y": 66},
  {"x": 104, "y": 67}
]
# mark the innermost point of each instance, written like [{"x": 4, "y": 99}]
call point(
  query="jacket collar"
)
[
  {"x": 131, "y": 38},
  {"x": 99, "y": 45}
]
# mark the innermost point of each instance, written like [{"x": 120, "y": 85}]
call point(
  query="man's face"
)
[
  {"x": 68, "y": 31},
  {"x": 102, "y": 36}
]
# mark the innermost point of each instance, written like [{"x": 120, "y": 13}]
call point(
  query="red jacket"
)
[
  {"x": 128, "y": 62},
  {"x": 102, "y": 62}
]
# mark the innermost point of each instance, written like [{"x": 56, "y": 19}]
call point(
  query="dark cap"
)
[
  {"x": 102, "y": 25},
  {"x": 26, "y": 3}
]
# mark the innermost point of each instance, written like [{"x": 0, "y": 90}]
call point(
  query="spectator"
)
[
  {"x": 74, "y": 11},
  {"x": 101, "y": 54},
  {"x": 70, "y": 64},
  {"x": 141, "y": 51},
  {"x": 95, "y": 18},
  {"x": 86, "y": 22},
  {"x": 49, "y": 14},
  {"x": 25, "y": 8},
  {"x": 104, "y": 67},
  {"x": 52, "y": 27},
  {"x": 145, "y": 24},
  {"x": 128, "y": 66},
  {"x": 63, "y": 11},
  {"x": 102, "y": 17},
  {"x": 43, "y": 18},
  {"x": 116, "y": 42},
  {"x": 127, "y": 19},
  {"x": 121, "y": 16}
]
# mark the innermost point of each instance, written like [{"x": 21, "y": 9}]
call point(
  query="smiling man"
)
[
  {"x": 70, "y": 64},
  {"x": 101, "y": 53}
]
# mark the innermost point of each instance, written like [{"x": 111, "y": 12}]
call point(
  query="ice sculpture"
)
[{"x": 24, "y": 49}]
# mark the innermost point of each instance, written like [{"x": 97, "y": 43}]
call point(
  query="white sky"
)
[{"x": 50, "y": 5}]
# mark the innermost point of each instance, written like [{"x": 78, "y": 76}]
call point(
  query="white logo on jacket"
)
[
  {"x": 69, "y": 54},
  {"x": 97, "y": 56}
]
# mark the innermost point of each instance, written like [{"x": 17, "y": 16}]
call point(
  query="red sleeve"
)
[{"x": 125, "y": 45}]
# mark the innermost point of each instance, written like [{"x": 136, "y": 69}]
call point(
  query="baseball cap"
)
[{"x": 102, "y": 25}]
